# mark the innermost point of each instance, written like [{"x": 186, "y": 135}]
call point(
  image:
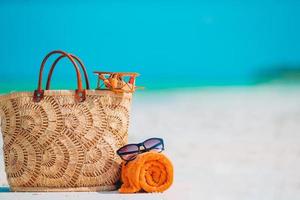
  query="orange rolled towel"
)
[{"x": 150, "y": 172}]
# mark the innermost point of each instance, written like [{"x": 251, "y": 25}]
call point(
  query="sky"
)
[{"x": 170, "y": 43}]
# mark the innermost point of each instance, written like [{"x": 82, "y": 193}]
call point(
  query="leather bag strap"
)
[
  {"x": 80, "y": 93},
  {"x": 87, "y": 84}
]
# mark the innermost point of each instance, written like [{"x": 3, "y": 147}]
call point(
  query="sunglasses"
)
[{"x": 131, "y": 151}]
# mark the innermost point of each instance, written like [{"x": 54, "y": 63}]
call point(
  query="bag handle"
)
[
  {"x": 87, "y": 84},
  {"x": 80, "y": 93}
]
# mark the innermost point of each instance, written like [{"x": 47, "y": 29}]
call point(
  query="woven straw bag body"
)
[{"x": 63, "y": 140}]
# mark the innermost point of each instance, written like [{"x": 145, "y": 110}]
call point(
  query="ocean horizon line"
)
[{"x": 161, "y": 88}]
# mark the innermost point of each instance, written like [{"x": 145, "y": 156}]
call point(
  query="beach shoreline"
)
[{"x": 224, "y": 142}]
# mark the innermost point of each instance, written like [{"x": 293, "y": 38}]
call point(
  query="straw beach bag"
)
[{"x": 63, "y": 140}]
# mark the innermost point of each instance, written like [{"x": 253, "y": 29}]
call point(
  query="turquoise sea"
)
[{"x": 172, "y": 44}]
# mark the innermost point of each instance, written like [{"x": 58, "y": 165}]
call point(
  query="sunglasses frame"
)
[{"x": 139, "y": 145}]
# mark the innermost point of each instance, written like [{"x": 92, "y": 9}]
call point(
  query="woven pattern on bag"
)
[{"x": 59, "y": 143}]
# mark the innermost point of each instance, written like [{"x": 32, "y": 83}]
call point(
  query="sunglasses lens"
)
[
  {"x": 154, "y": 144},
  {"x": 129, "y": 152}
]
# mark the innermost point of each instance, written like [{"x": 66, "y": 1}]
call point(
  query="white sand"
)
[{"x": 225, "y": 143}]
